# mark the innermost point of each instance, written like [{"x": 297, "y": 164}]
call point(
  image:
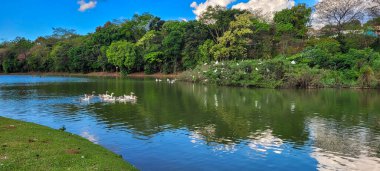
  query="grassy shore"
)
[{"x": 27, "y": 146}]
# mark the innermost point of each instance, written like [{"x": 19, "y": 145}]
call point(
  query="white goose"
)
[
  {"x": 131, "y": 97},
  {"x": 103, "y": 96},
  {"x": 173, "y": 81},
  {"x": 121, "y": 99},
  {"x": 110, "y": 98},
  {"x": 92, "y": 95},
  {"x": 86, "y": 98}
]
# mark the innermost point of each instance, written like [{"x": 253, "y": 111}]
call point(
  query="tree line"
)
[{"x": 146, "y": 43}]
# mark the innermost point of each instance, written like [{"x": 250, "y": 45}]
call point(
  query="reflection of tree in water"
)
[
  {"x": 206, "y": 135},
  {"x": 264, "y": 141},
  {"x": 344, "y": 125},
  {"x": 342, "y": 148},
  {"x": 237, "y": 113}
]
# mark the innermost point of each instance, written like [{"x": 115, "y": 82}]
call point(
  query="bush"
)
[
  {"x": 333, "y": 78},
  {"x": 248, "y": 73},
  {"x": 303, "y": 77},
  {"x": 367, "y": 78},
  {"x": 329, "y": 45}
]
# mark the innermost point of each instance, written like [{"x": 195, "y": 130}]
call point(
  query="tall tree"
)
[
  {"x": 173, "y": 32},
  {"x": 63, "y": 33},
  {"x": 123, "y": 54},
  {"x": 218, "y": 20},
  {"x": 196, "y": 33},
  {"x": 297, "y": 19},
  {"x": 233, "y": 43},
  {"x": 339, "y": 12},
  {"x": 151, "y": 50},
  {"x": 374, "y": 8}
]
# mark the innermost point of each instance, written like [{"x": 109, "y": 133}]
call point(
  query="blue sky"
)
[{"x": 31, "y": 19}]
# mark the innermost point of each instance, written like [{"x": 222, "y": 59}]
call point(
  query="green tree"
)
[
  {"x": 205, "y": 54},
  {"x": 196, "y": 34},
  {"x": 173, "y": 41},
  {"x": 60, "y": 57},
  {"x": 124, "y": 55},
  {"x": 233, "y": 43},
  {"x": 293, "y": 21},
  {"x": 37, "y": 60},
  {"x": 217, "y": 19},
  {"x": 151, "y": 50},
  {"x": 291, "y": 27}
]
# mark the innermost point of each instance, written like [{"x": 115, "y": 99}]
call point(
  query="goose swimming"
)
[{"x": 85, "y": 98}]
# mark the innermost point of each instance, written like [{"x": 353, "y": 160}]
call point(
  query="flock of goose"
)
[
  {"x": 110, "y": 98},
  {"x": 167, "y": 80}
]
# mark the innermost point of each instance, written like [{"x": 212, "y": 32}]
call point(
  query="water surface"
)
[{"x": 186, "y": 126}]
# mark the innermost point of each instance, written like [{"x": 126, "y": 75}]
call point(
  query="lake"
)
[{"x": 185, "y": 126}]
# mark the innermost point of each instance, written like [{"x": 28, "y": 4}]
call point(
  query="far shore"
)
[{"x": 98, "y": 74}]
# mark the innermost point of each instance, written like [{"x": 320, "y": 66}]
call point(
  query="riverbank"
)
[
  {"x": 98, "y": 74},
  {"x": 281, "y": 73},
  {"x": 27, "y": 146}
]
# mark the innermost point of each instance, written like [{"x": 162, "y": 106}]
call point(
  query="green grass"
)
[{"x": 27, "y": 146}]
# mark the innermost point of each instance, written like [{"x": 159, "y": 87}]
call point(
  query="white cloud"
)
[
  {"x": 202, "y": 7},
  {"x": 265, "y": 6},
  {"x": 86, "y": 5},
  {"x": 183, "y": 19}
]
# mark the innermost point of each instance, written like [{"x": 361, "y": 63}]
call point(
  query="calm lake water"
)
[{"x": 195, "y": 127}]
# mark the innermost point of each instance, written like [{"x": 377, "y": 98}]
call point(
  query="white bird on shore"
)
[{"x": 293, "y": 62}]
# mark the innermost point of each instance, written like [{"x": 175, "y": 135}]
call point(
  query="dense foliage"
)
[{"x": 224, "y": 46}]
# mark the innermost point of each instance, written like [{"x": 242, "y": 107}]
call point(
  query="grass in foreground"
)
[{"x": 27, "y": 146}]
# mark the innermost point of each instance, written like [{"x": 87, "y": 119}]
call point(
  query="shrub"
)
[
  {"x": 329, "y": 45},
  {"x": 367, "y": 77},
  {"x": 303, "y": 77},
  {"x": 334, "y": 78}
]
